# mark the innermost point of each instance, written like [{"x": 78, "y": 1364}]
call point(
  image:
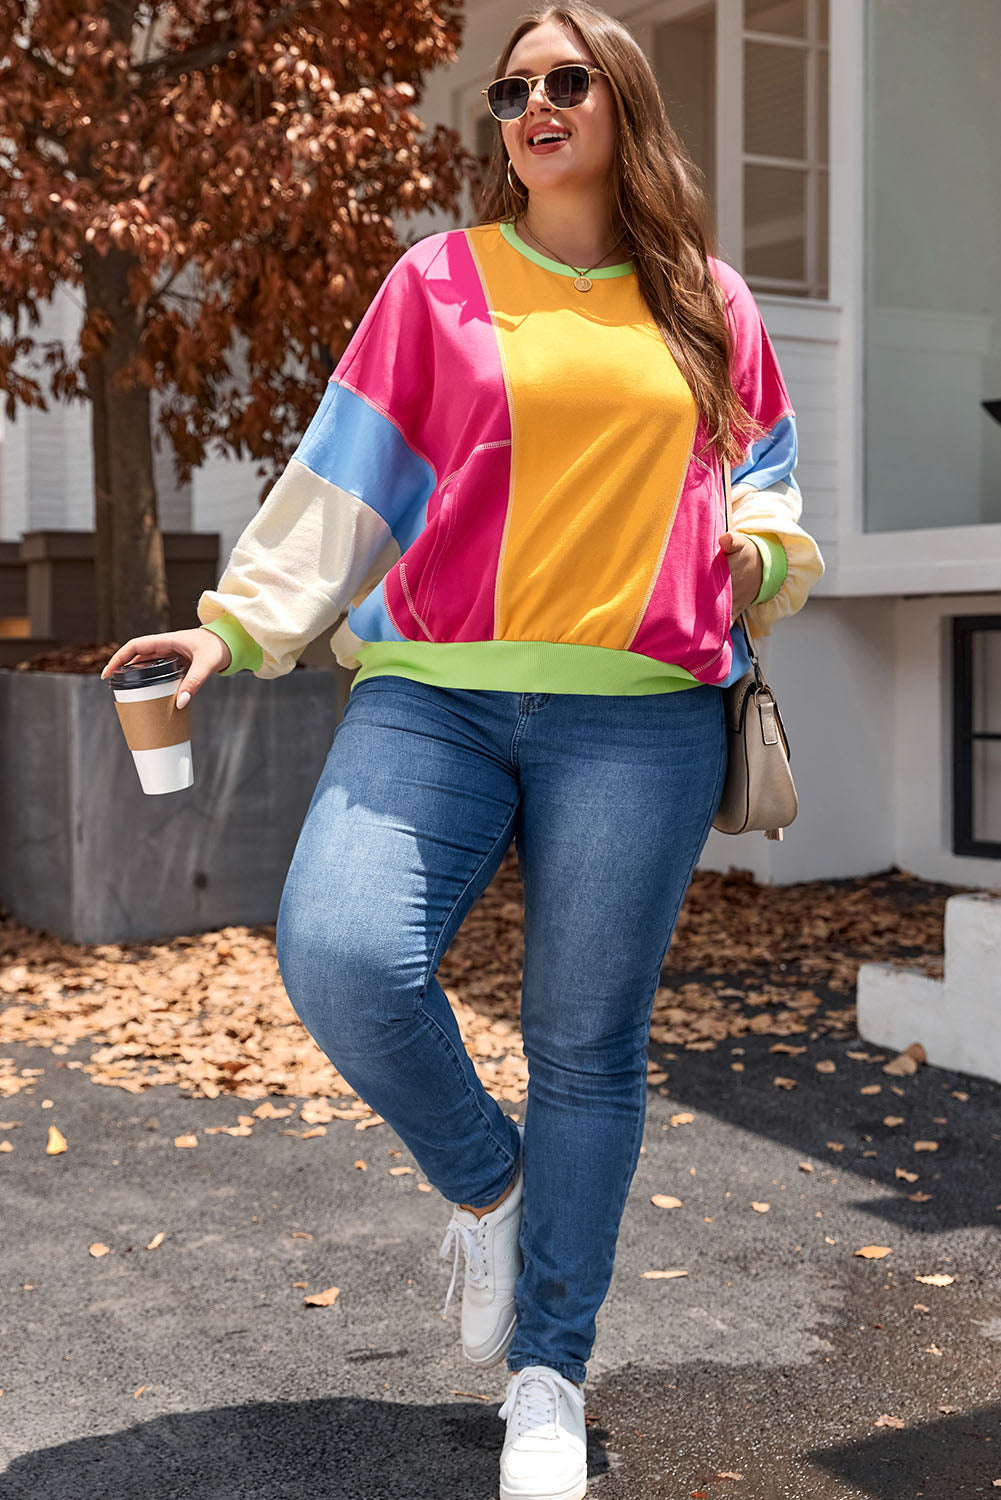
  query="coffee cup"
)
[{"x": 157, "y": 732}]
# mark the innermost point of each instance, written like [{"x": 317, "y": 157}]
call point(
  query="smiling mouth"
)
[{"x": 547, "y": 138}]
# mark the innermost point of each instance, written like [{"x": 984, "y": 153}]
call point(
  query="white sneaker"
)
[
  {"x": 545, "y": 1450},
  {"x": 493, "y": 1264}
]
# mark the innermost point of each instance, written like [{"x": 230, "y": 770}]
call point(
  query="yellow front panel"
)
[{"x": 603, "y": 425}]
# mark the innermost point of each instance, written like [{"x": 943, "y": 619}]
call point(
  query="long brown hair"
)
[{"x": 657, "y": 191}]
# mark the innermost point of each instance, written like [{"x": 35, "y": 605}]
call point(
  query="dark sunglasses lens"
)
[
  {"x": 567, "y": 86},
  {"x": 507, "y": 98}
]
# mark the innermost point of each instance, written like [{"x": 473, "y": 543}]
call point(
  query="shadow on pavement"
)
[
  {"x": 785, "y": 1434},
  {"x": 951, "y": 1457},
  {"x": 343, "y": 1448},
  {"x": 811, "y": 1110}
]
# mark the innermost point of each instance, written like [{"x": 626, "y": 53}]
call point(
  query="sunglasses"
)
[{"x": 565, "y": 87}]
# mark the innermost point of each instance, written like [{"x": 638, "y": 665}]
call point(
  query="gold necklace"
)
[{"x": 582, "y": 281}]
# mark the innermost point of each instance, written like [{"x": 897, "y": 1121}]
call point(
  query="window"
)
[
  {"x": 977, "y": 735},
  {"x": 933, "y": 293},
  {"x": 746, "y": 86}
]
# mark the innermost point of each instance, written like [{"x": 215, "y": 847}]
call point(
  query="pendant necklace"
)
[{"x": 582, "y": 281}]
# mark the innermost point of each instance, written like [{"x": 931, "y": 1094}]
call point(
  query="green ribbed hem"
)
[
  {"x": 522, "y": 667},
  {"x": 775, "y": 565},
  {"x": 246, "y": 653}
]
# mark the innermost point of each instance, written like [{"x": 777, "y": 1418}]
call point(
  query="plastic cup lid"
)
[{"x": 146, "y": 673}]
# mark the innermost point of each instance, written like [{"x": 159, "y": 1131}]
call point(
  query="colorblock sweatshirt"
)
[{"x": 507, "y": 484}]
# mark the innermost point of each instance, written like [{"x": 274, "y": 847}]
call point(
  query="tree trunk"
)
[
  {"x": 131, "y": 575},
  {"x": 102, "y": 498}
]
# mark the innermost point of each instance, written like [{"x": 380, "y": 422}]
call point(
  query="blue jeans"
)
[{"x": 609, "y": 801}]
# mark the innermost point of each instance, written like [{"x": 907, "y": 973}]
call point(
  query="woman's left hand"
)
[{"x": 746, "y": 570}]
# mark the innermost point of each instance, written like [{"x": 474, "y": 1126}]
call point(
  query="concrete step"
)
[{"x": 957, "y": 1019}]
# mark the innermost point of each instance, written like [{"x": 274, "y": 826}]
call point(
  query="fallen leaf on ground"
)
[
  {"x": 185, "y": 1142},
  {"x": 305, "y": 1135},
  {"x": 267, "y": 1111},
  {"x": 907, "y": 1061},
  {"x": 6, "y": 1146},
  {"x": 322, "y": 1299},
  {"x": 664, "y": 1200},
  {"x": 97, "y": 1249},
  {"x": 156, "y": 1241},
  {"x": 888, "y": 1421},
  {"x": 826, "y": 1065},
  {"x": 139, "y": 1392},
  {"x": 785, "y": 1083},
  {"x": 806, "y": 1166},
  {"x": 893, "y": 1120},
  {"x": 227, "y": 1130},
  {"x": 208, "y": 1013},
  {"x": 661, "y": 1275},
  {"x": 938, "y": 1279},
  {"x": 401, "y": 1171},
  {"x": 933, "y": 1349},
  {"x": 424, "y": 1187},
  {"x": 368, "y": 1124},
  {"x": 9, "y": 1124},
  {"x": 926, "y": 1145},
  {"x": 907, "y": 1176},
  {"x": 300, "y": 1234},
  {"x": 302, "y": 1285},
  {"x": 56, "y": 1142},
  {"x": 874, "y": 1252},
  {"x": 761, "y": 1208},
  {"x": 835, "y": 1146},
  {"x": 728, "y": 1474},
  {"x": 871, "y": 1088},
  {"x": 682, "y": 1119},
  {"x": 362, "y": 1166}
]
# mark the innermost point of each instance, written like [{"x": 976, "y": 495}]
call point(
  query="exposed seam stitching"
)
[
  {"x": 480, "y": 448},
  {"x": 410, "y": 603},
  {"x": 417, "y": 452}
]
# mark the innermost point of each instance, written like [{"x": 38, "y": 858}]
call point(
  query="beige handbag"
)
[{"x": 759, "y": 791}]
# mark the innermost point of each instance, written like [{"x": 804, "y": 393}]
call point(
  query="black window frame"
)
[{"x": 964, "y": 628}]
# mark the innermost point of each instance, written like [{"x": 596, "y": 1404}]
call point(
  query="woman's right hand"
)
[{"x": 203, "y": 650}]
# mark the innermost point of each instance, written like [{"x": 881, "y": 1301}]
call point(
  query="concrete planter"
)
[{"x": 86, "y": 855}]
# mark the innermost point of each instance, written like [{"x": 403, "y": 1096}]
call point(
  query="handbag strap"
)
[{"x": 741, "y": 619}]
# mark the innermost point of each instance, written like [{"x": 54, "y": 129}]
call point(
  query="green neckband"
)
[{"x": 603, "y": 273}]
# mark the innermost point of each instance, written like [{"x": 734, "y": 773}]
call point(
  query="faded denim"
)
[{"x": 609, "y": 801}]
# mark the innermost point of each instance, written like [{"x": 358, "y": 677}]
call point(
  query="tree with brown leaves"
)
[{"x": 222, "y": 183}]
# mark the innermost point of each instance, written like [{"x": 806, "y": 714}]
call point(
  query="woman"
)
[{"x": 514, "y": 480}]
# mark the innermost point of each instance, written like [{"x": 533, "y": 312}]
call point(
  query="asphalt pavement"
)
[{"x": 781, "y": 1365}]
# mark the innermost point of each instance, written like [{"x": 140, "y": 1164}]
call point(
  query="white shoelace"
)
[
  {"x": 462, "y": 1237},
  {"x": 534, "y": 1405}
]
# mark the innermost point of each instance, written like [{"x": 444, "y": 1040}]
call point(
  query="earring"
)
[{"x": 511, "y": 184}]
